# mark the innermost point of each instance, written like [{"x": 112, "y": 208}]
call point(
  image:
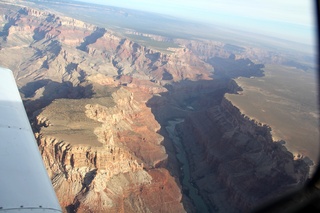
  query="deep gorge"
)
[{"x": 233, "y": 160}]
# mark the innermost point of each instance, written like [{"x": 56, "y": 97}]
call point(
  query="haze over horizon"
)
[{"x": 289, "y": 20}]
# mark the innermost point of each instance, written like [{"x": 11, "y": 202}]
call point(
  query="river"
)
[{"x": 185, "y": 170}]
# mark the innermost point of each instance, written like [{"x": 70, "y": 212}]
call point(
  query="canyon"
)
[{"x": 101, "y": 107}]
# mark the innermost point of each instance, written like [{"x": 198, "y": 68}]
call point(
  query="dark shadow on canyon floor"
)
[
  {"x": 41, "y": 93},
  {"x": 233, "y": 161},
  {"x": 181, "y": 100}
]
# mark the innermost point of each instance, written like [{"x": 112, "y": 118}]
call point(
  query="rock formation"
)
[
  {"x": 109, "y": 163},
  {"x": 247, "y": 167},
  {"x": 233, "y": 160},
  {"x": 65, "y": 49}
]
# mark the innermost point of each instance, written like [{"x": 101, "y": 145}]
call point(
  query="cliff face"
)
[
  {"x": 210, "y": 49},
  {"x": 234, "y": 162},
  {"x": 247, "y": 167},
  {"x": 117, "y": 173},
  {"x": 91, "y": 179}
]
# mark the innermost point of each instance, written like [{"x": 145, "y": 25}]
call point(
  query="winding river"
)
[{"x": 183, "y": 160}]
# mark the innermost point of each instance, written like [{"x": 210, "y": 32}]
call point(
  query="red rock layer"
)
[{"x": 121, "y": 175}]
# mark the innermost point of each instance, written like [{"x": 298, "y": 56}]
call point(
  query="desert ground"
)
[{"x": 284, "y": 100}]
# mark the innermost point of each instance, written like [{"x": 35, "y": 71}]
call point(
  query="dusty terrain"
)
[
  {"x": 99, "y": 104},
  {"x": 289, "y": 106}
]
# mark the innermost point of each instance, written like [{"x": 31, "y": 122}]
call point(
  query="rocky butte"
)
[{"x": 100, "y": 104}]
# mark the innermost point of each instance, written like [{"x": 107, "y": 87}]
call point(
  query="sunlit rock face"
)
[
  {"x": 65, "y": 49},
  {"x": 117, "y": 173}
]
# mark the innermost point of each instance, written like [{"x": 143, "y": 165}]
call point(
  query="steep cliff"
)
[
  {"x": 103, "y": 155},
  {"x": 234, "y": 161}
]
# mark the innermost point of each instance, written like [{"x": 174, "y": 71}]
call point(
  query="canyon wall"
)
[
  {"x": 117, "y": 173},
  {"x": 234, "y": 161}
]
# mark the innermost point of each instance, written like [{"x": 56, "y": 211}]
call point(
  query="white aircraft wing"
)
[{"x": 24, "y": 182}]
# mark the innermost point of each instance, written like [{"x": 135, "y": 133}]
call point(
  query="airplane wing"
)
[{"x": 24, "y": 183}]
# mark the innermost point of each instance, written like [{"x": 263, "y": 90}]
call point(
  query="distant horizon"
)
[{"x": 295, "y": 22}]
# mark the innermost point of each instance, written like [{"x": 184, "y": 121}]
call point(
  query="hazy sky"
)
[{"x": 290, "y": 19}]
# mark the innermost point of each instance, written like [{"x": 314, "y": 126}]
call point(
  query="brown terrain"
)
[
  {"x": 279, "y": 100},
  {"x": 99, "y": 105}
]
